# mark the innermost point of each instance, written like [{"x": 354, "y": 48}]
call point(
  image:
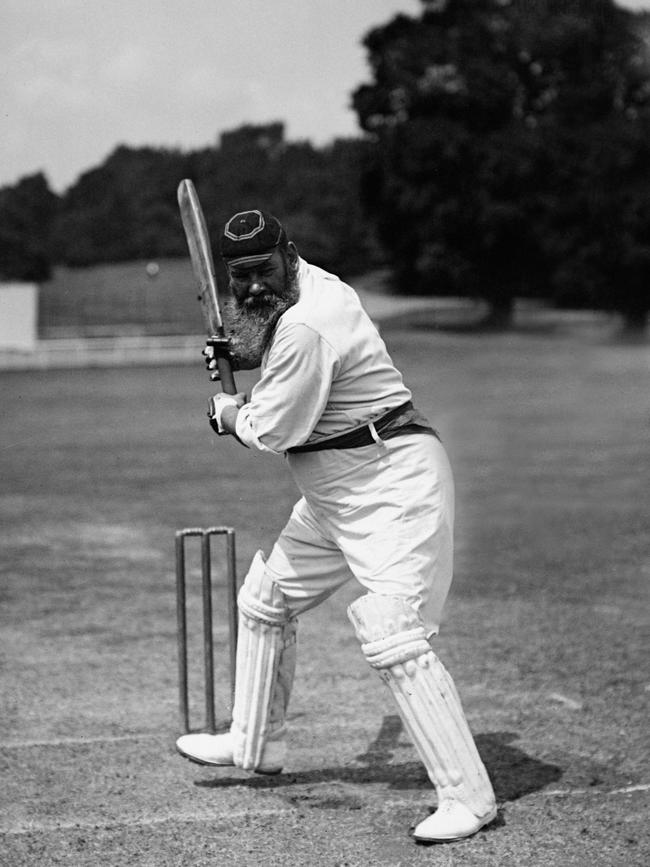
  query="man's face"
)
[
  {"x": 260, "y": 286},
  {"x": 260, "y": 295}
]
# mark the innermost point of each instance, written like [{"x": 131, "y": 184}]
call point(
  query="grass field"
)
[{"x": 545, "y": 632}]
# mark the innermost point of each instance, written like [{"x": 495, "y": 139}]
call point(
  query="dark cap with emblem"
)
[{"x": 250, "y": 237}]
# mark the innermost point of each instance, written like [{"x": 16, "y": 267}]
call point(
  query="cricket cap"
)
[{"x": 250, "y": 237}]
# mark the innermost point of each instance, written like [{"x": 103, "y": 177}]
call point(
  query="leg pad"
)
[
  {"x": 265, "y": 666},
  {"x": 394, "y": 641}
]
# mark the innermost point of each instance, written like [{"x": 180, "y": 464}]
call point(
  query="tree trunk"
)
[
  {"x": 501, "y": 314},
  {"x": 635, "y": 322}
]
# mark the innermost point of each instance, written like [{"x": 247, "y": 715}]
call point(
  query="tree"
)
[
  {"x": 125, "y": 209},
  {"x": 469, "y": 111},
  {"x": 27, "y": 211},
  {"x": 601, "y": 231},
  {"x": 594, "y": 89}
]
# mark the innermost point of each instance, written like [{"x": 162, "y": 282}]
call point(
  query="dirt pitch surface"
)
[{"x": 544, "y": 630}]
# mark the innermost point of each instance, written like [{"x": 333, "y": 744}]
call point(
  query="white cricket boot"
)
[
  {"x": 394, "y": 642},
  {"x": 451, "y": 821},
  {"x": 208, "y": 749}
]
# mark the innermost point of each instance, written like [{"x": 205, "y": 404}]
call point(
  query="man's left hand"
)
[{"x": 217, "y": 347}]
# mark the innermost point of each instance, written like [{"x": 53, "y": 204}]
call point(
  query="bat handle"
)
[{"x": 226, "y": 376}]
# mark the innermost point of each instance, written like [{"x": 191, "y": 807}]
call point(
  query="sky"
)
[{"x": 80, "y": 77}]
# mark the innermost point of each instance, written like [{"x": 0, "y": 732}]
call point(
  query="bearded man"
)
[{"x": 377, "y": 507}]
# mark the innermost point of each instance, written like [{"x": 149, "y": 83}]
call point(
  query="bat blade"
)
[{"x": 198, "y": 242}]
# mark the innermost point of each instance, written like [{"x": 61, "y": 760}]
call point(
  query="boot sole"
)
[
  {"x": 266, "y": 771},
  {"x": 484, "y": 824}
]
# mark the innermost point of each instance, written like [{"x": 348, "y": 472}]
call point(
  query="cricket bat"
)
[{"x": 198, "y": 242}]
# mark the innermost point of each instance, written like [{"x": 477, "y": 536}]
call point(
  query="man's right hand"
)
[{"x": 221, "y": 405}]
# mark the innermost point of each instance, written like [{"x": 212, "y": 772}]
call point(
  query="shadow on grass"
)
[{"x": 513, "y": 772}]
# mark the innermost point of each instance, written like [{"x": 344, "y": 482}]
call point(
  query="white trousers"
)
[{"x": 382, "y": 514}]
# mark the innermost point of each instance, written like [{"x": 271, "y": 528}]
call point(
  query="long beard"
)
[{"x": 250, "y": 324}]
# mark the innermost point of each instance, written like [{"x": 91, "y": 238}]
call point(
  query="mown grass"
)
[{"x": 548, "y": 434}]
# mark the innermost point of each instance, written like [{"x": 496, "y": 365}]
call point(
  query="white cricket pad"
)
[
  {"x": 394, "y": 641},
  {"x": 265, "y": 665}
]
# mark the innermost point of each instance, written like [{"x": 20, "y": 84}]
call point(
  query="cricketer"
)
[{"x": 376, "y": 506}]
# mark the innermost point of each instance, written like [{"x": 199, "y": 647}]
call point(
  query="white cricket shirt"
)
[{"x": 326, "y": 371}]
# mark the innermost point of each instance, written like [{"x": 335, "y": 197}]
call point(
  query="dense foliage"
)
[
  {"x": 27, "y": 212},
  {"x": 512, "y": 143},
  {"x": 126, "y": 208}
]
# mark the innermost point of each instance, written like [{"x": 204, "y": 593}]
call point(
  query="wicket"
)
[{"x": 205, "y": 535}]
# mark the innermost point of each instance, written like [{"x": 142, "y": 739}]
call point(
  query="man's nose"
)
[{"x": 255, "y": 287}]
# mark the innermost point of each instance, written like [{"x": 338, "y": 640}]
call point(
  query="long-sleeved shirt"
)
[{"x": 326, "y": 370}]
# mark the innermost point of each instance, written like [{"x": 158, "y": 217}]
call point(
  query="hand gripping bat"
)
[{"x": 198, "y": 243}]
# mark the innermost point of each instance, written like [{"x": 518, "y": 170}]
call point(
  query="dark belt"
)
[{"x": 358, "y": 437}]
